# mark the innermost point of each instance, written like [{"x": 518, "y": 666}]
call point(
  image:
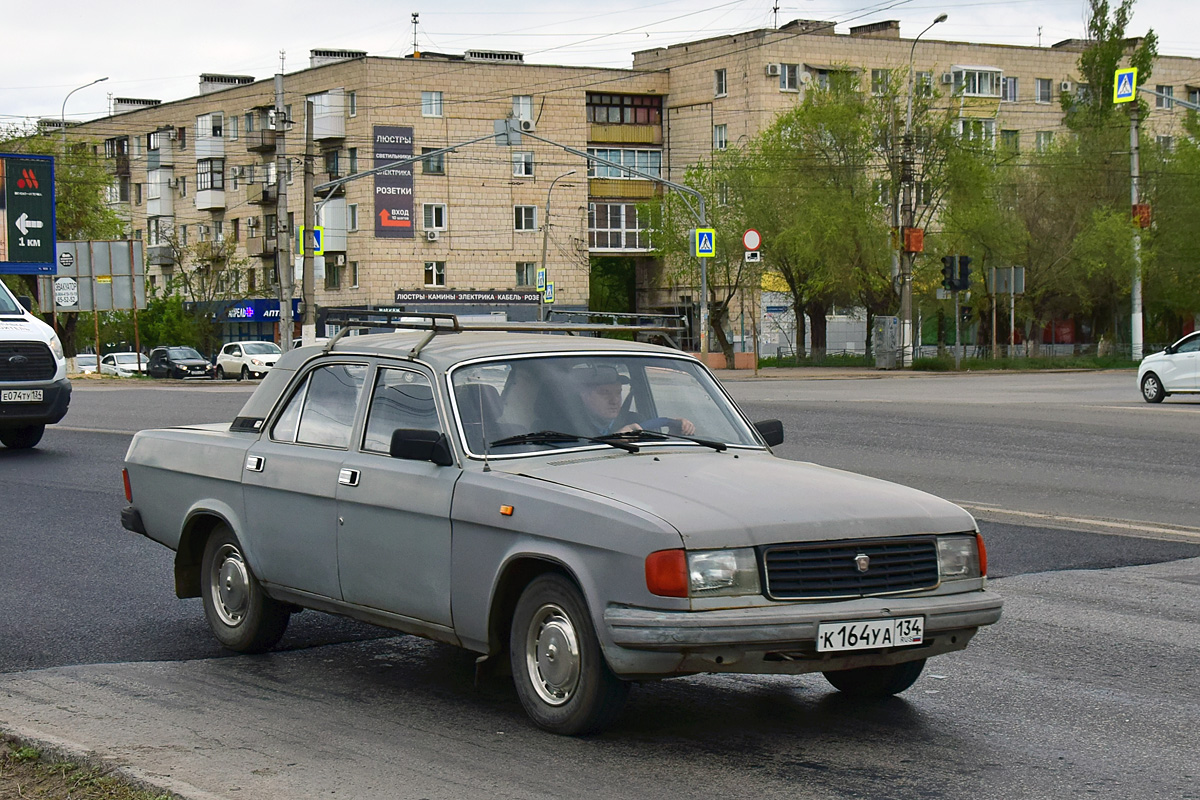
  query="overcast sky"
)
[{"x": 158, "y": 50}]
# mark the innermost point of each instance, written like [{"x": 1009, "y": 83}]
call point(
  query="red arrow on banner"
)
[{"x": 385, "y": 219}]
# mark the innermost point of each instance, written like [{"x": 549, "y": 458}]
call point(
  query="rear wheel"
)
[
  {"x": 22, "y": 438},
  {"x": 876, "y": 682},
  {"x": 558, "y": 668},
  {"x": 1152, "y": 388},
  {"x": 241, "y": 615}
]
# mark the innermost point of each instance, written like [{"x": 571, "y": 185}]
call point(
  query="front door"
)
[{"x": 394, "y": 514}]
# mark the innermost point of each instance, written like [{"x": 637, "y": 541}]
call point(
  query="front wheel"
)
[
  {"x": 239, "y": 612},
  {"x": 220, "y": 373},
  {"x": 872, "y": 683},
  {"x": 558, "y": 668},
  {"x": 22, "y": 438},
  {"x": 245, "y": 374},
  {"x": 1152, "y": 388}
]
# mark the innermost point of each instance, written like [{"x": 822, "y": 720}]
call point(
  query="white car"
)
[
  {"x": 123, "y": 365},
  {"x": 243, "y": 360},
  {"x": 86, "y": 363},
  {"x": 1175, "y": 370}
]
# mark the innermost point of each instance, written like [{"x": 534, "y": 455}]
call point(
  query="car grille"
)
[
  {"x": 830, "y": 569},
  {"x": 26, "y": 361}
]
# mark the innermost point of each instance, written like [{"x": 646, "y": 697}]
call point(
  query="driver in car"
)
[{"x": 601, "y": 388}]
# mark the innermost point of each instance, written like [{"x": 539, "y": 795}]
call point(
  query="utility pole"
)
[
  {"x": 283, "y": 259},
  {"x": 308, "y": 327},
  {"x": 1135, "y": 323},
  {"x": 545, "y": 243}
]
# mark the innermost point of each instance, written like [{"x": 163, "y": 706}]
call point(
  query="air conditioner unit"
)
[
  {"x": 1065, "y": 86},
  {"x": 172, "y": 183},
  {"x": 528, "y": 126},
  {"x": 203, "y": 230},
  {"x": 339, "y": 260},
  {"x": 237, "y": 171},
  {"x": 772, "y": 70},
  {"x": 947, "y": 77},
  {"x": 252, "y": 222},
  {"x": 432, "y": 236},
  {"x": 173, "y": 134}
]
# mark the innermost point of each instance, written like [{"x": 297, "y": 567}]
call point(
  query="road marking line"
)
[{"x": 1133, "y": 526}]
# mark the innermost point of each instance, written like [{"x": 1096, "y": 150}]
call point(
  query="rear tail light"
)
[
  {"x": 666, "y": 573},
  {"x": 128, "y": 488},
  {"x": 982, "y": 555}
]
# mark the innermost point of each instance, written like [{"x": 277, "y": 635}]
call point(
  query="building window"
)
[
  {"x": 352, "y": 217},
  {"x": 137, "y": 194},
  {"x": 331, "y": 163},
  {"x": 1008, "y": 90},
  {"x": 183, "y": 185},
  {"x": 1166, "y": 143},
  {"x": 881, "y": 80},
  {"x": 333, "y": 275},
  {"x": 352, "y": 159},
  {"x": 431, "y": 104},
  {"x": 789, "y": 77},
  {"x": 982, "y": 131},
  {"x": 616, "y": 226},
  {"x": 883, "y": 192},
  {"x": 153, "y": 140},
  {"x": 218, "y": 231},
  {"x": 624, "y": 109},
  {"x": 435, "y": 273},
  {"x": 522, "y": 107},
  {"x": 522, "y": 164},
  {"x": 647, "y": 161},
  {"x": 233, "y": 127},
  {"x": 1011, "y": 141},
  {"x": 1164, "y": 102},
  {"x": 249, "y": 122},
  {"x": 1042, "y": 140},
  {"x": 433, "y": 165},
  {"x": 720, "y": 137},
  {"x": 1193, "y": 95},
  {"x": 1043, "y": 92},
  {"x": 525, "y": 218},
  {"x": 923, "y": 84},
  {"x": 353, "y": 274},
  {"x": 210, "y": 174},
  {"x": 720, "y": 87},
  {"x": 977, "y": 82},
  {"x": 217, "y": 125},
  {"x": 526, "y": 273},
  {"x": 435, "y": 216},
  {"x": 183, "y": 235},
  {"x": 352, "y": 103}
]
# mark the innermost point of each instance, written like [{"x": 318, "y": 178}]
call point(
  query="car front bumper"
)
[
  {"x": 56, "y": 397},
  {"x": 782, "y": 638}
]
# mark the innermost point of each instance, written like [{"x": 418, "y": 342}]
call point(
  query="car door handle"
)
[
  {"x": 254, "y": 463},
  {"x": 348, "y": 477}
]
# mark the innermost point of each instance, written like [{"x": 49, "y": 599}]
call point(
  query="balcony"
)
[
  {"x": 261, "y": 194},
  {"x": 329, "y": 115},
  {"x": 159, "y": 254},
  {"x": 260, "y": 141},
  {"x": 210, "y": 200},
  {"x": 162, "y": 156},
  {"x": 625, "y": 134},
  {"x": 260, "y": 246}
]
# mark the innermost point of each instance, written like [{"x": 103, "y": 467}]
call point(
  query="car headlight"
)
[
  {"x": 713, "y": 573},
  {"x": 56, "y": 346},
  {"x": 961, "y": 557},
  {"x": 256, "y": 362}
]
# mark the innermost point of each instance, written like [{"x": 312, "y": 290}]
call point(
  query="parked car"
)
[
  {"x": 178, "y": 362},
  {"x": 1174, "y": 370},
  {"x": 87, "y": 363},
  {"x": 244, "y": 360},
  {"x": 124, "y": 365},
  {"x": 586, "y": 511}
]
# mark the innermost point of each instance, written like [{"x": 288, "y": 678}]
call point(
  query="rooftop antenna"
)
[
  {"x": 415, "y": 19},
  {"x": 775, "y": 11},
  {"x": 1039, "y": 35},
  {"x": 282, "y": 59}
]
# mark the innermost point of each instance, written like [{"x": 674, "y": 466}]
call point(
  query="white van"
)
[{"x": 34, "y": 390}]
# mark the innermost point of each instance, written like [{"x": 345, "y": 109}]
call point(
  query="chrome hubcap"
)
[
  {"x": 552, "y": 655},
  {"x": 230, "y": 585},
  {"x": 1150, "y": 388}
]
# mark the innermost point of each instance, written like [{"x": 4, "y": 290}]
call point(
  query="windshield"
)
[
  {"x": 85, "y": 360},
  {"x": 8, "y": 304},
  {"x": 261, "y": 349},
  {"x": 127, "y": 358},
  {"x": 578, "y": 398},
  {"x": 182, "y": 352}
]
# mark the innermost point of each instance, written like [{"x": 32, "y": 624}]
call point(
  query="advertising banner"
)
[
  {"x": 471, "y": 296},
  {"x": 393, "y": 187},
  {"x": 96, "y": 276},
  {"x": 27, "y": 230}
]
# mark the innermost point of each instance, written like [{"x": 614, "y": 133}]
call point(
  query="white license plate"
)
[
  {"x": 21, "y": 396},
  {"x": 869, "y": 634}
]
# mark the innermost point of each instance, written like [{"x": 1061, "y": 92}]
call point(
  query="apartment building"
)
[{"x": 466, "y": 231}]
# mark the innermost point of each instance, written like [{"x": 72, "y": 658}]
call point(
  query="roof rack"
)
[{"x": 368, "y": 321}]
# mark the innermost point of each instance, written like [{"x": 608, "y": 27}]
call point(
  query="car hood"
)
[
  {"x": 727, "y": 500},
  {"x": 189, "y": 362}
]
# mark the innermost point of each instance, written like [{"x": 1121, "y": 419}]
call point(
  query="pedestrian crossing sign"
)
[
  {"x": 1125, "y": 85},
  {"x": 704, "y": 242}
]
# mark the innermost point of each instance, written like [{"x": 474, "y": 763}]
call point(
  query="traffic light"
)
[
  {"x": 963, "y": 281},
  {"x": 948, "y": 270},
  {"x": 965, "y": 313}
]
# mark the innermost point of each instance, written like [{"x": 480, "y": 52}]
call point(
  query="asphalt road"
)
[{"x": 1088, "y": 685}]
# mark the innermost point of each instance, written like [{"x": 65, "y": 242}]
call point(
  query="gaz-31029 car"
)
[{"x": 588, "y": 512}]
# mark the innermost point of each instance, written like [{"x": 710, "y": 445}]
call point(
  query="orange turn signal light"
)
[
  {"x": 666, "y": 573},
  {"x": 128, "y": 488},
  {"x": 982, "y": 555},
  {"x": 506, "y": 510}
]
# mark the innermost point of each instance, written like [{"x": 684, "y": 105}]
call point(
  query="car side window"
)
[
  {"x": 1192, "y": 345},
  {"x": 401, "y": 398},
  {"x": 321, "y": 411}
]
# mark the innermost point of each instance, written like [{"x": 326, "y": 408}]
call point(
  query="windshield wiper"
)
[
  {"x": 551, "y": 437},
  {"x": 642, "y": 433}
]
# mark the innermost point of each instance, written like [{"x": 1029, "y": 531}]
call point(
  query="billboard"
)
[
  {"x": 393, "y": 187},
  {"x": 96, "y": 276},
  {"x": 27, "y": 230}
]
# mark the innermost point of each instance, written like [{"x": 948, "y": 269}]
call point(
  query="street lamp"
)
[
  {"x": 63, "y": 116},
  {"x": 906, "y": 178},
  {"x": 546, "y": 241}
]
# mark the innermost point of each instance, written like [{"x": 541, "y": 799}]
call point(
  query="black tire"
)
[
  {"x": 220, "y": 373},
  {"x": 559, "y": 670},
  {"x": 22, "y": 438},
  {"x": 239, "y": 612},
  {"x": 245, "y": 373},
  {"x": 872, "y": 683},
  {"x": 1152, "y": 388}
]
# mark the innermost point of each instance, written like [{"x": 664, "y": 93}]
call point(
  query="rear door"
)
[
  {"x": 394, "y": 533},
  {"x": 290, "y": 480}
]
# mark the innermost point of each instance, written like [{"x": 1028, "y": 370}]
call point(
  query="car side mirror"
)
[
  {"x": 420, "y": 445},
  {"x": 771, "y": 430},
  {"x": 26, "y": 301},
  {"x": 1169, "y": 349}
]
